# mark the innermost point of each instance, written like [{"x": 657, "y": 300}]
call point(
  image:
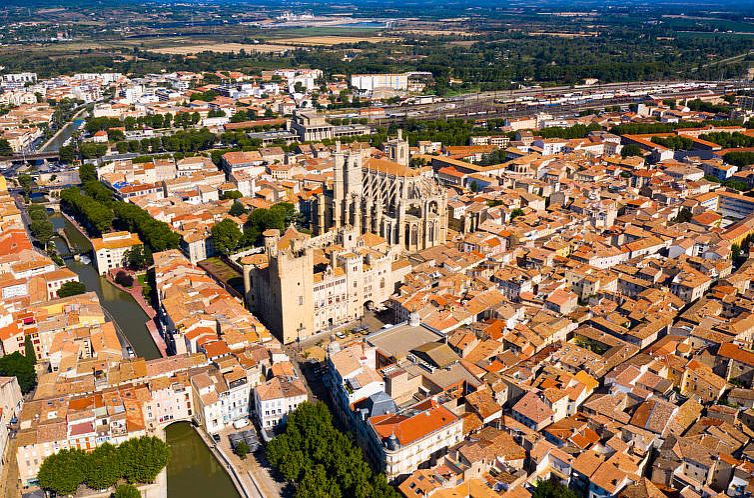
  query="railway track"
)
[{"x": 487, "y": 107}]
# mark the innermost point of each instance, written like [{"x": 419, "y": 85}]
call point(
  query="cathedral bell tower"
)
[{"x": 397, "y": 149}]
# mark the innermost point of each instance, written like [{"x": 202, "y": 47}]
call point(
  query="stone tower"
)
[
  {"x": 397, "y": 149},
  {"x": 279, "y": 288},
  {"x": 346, "y": 208}
]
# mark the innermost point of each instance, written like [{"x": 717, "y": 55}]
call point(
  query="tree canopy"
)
[
  {"x": 739, "y": 158},
  {"x": 21, "y": 367},
  {"x": 87, "y": 173},
  {"x": 135, "y": 461},
  {"x": 138, "y": 258},
  {"x": 683, "y": 216},
  {"x": 63, "y": 472},
  {"x": 92, "y": 150},
  {"x": 231, "y": 194},
  {"x": 100, "y": 211},
  {"x": 631, "y": 150},
  {"x": 97, "y": 214},
  {"x": 26, "y": 182},
  {"x": 156, "y": 234},
  {"x": 575, "y": 131},
  {"x": 127, "y": 491},
  {"x": 729, "y": 140},
  {"x": 226, "y": 236},
  {"x": 322, "y": 461},
  {"x": 278, "y": 216},
  {"x": 71, "y": 289},
  {"x": 41, "y": 226},
  {"x": 5, "y": 148},
  {"x": 552, "y": 489},
  {"x": 675, "y": 142},
  {"x": 516, "y": 213},
  {"x": 236, "y": 209}
]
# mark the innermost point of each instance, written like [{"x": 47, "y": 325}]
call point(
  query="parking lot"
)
[{"x": 255, "y": 464}]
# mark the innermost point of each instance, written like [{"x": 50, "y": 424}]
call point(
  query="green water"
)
[
  {"x": 193, "y": 471},
  {"x": 120, "y": 305}
]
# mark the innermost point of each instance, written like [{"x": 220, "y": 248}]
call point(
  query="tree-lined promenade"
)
[
  {"x": 136, "y": 461},
  {"x": 95, "y": 206}
]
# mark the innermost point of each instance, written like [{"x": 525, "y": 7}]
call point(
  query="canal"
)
[
  {"x": 64, "y": 134},
  {"x": 120, "y": 306},
  {"x": 193, "y": 471}
]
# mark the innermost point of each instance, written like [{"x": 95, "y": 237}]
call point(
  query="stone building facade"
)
[
  {"x": 403, "y": 205},
  {"x": 301, "y": 286}
]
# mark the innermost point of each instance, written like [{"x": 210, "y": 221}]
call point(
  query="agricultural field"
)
[
  {"x": 307, "y": 41},
  {"x": 436, "y": 32},
  {"x": 220, "y": 48}
]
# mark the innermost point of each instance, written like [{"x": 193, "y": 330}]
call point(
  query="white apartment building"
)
[
  {"x": 372, "y": 82},
  {"x": 110, "y": 250},
  {"x": 275, "y": 399},
  {"x": 353, "y": 371},
  {"x": 17, "y": 97},
  {"x": 197, "y": 245},
  {"x": 220, "y": 398},
  {"x": 403, "y": 441},
  {"x": 171, "y": 401},
  {"x": 20, "y": 78}
]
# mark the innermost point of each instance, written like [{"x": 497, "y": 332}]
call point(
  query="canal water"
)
[
  {"x": 193, "y": 471},
  {"x": 55, "y": 144},
  {"x": 120, "y": 305}
]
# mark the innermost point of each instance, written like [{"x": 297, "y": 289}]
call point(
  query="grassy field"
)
[
  {"x": 223, "y": 272},
  {"x": 333, "y": 40},
  {"x": 196, "y": 48},
  {"x": 146, "y": 289},
  {"x": 436, "y": 32},
  {"x": 228, "y": 40},
  {"x": 288, "y": 32}
]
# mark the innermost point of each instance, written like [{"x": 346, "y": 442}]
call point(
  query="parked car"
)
[{"x": 241, "y": 423}]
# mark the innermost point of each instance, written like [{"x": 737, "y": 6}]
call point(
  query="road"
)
[
  {"x": 24, "y": 217},
  {"x": 310, "y": 369},
  {"x": 255, "y": 472},
  {"x": 9, "y": 483}
]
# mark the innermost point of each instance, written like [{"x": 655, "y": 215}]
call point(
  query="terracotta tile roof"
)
[
  {"x": 733, "y": 352},
  {"x": 410, "y": 428},
  {"x": 389, "y": 167}
]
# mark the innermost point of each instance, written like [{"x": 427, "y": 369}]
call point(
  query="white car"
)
[{"x": 241, "y": 423}]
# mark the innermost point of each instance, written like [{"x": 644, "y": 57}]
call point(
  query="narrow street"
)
[
  {"x": 310, "y": 368},
  {"x": 9, "y": 487}
]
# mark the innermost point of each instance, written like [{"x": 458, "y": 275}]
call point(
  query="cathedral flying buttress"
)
[{"x": 404, "y": 205}]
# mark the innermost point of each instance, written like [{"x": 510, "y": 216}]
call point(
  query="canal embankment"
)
[
  {"x": 136, "y": 291},
  {"x": 63, "y": 134},
  {"x": 119, "y": 306}
]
